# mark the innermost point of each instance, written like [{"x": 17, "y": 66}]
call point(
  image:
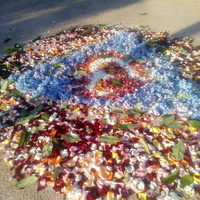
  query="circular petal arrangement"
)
[{"x": 103, "y": 112}]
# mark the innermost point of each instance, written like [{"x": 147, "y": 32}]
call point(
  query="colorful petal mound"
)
[{"x": 103, "y": 112}]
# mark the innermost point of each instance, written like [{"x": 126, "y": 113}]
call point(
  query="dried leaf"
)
[
  {"x": 71, "y": 138},
  {"x": 125, "y": 126},
  {"x": 27, "y": 182},
  {"x": 171, "y": 178},
  {"x": 186, "y": 180},
  {"x": 145, "y": 145},
  {"x": 47, "y": 149},
  {"x": 178, "y": 150},
  {"x": 109, "y": 139}
]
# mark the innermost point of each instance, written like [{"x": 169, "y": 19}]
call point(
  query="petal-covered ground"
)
[{"x": 103, "y": 112}]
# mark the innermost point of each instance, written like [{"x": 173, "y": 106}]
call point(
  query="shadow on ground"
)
[
  {"x": 22, "y": 20},
  {"x": 190, "y": 30}
]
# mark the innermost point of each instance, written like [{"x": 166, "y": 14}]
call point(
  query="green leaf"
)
[
  {"x": 16, "y": 93},
  {"x": 181, "y": 95},
  {"x": 45, "y": 116},
  {"x": 194, "y": 123},
  {"x": 143, "y": 13},
  {"x": 64, "y": 105},
  {"x": 117, "y": 82},
  {"x": 22, "y": 121},
  {"x": 6, "y": 85},
  {"x": 31, "y": 117},
  {"x": 191, "y": 68},
  {"x": 26, "y": 182},
  {"x": 139, "y": 60},
  {"x": 105, "y": 55},
  {"x": 57, "y": 144},
  {"x": 109, "y": 139},
  {"x": 10, "y": 50},
  {"x": 126, "y": 59},
  {"x": 126, "y": 179},
  {"x": 37, "y": 110},
  {"x": 37, "y": 38},
  {"x": 178, "y": 150},
  {"x": 186, "y": 180},
  {"x": 15, "y": 64},
  {"x": 125, "y": 126},
  {"x": 171, "y": 178},
  {"x": 47, "y": 149},
  {"x": 34, "y": 98},
  {"x": 176, "y": 124},
  {"x": 71, "y": 138},
  {"x": 167, "y": 119},
  {"x": 26, "y": 119},
  {"x": 57, "y": 64},
  {"x": 35, "y": 129},
  {"x": 80, "y": 73},
  {"x": 86, "y": 31},
  {"x": 116, "y": 109},
  {"x": 4, "y": 74},
  {"x": 147, "y": 71},
  {"x": 182, "y": 50},
  {"x": 145, "y": 145},
  {"x": 55, "y": 173},
  {"x": 136, "y": 110},
  {"x": 24, "y": 138}
]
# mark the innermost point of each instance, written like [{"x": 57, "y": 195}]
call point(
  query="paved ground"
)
[{"x": 24, "y": 20}]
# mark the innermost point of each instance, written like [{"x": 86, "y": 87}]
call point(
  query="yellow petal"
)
[
  {"x": 156, "y": 130},
  {"x": 196, "y": 177},
  {"x": 114, "y": 155},
  {"x": 142, "y": 196},
  {"x": 110, "y": 196}
]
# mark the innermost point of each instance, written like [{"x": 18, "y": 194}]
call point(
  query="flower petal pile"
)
[{"x": 103, "y": 112}]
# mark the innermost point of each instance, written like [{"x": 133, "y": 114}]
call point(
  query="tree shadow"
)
[
  {"x": 23, "y": 20},
  {"x": 189, "y": 31}
]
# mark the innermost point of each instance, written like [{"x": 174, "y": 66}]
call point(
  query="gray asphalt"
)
[{"x": 24, "y": 20}]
